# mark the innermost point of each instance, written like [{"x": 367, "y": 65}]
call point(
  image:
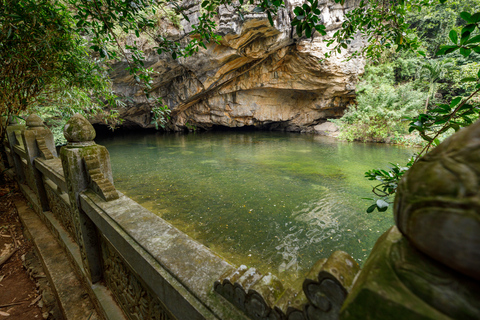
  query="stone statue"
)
[{"x": 428, "y": 268}]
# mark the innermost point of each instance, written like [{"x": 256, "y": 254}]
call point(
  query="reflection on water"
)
[{"x": 275, "y": 201}]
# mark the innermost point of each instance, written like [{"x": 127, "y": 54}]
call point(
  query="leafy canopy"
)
[{"x": 40, "y": 50}]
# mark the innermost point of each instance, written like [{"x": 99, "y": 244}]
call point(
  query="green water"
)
[{"x": 274, "y": 201}]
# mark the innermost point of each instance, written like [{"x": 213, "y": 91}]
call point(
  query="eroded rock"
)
[{"x": 258, "y": 75}]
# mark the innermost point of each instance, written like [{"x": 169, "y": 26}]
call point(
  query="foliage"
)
[
  {"x": 388, "y": 183},
  {"x": 39, "y": 51},
  {"x": 458, "y": 113},
  {"x": 433, "y": 71},
  {"x": 434, "y": 23},
  {"x": 381, "y": 107},
  {"x": 161, "y": 114}
]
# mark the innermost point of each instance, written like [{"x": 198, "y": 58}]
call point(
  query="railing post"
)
[
  {"x": 13, "y": 133},
  {"x": 86, "y": 165},
  {"x": 38, "y": 142}
]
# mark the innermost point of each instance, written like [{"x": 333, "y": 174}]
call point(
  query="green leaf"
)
[
  {"x": 440, "y": 110},
  {"x": 298, "y": 11},
  {"x": 474, "y": 39},
  {"x": 465, "y": 36},
  {"x": 137, "y": 33},
  {"x": 446, "y": 49},
  {"x": 299, "y": 30},
  {"x": 468, "y": 79},
  {"x": 440, "y": 121},
  {"x": 469, "y": 28},
  {"x": 465, "y": 52},
  {"x": 455, "y": 102},
  {"x": 321, "y": 29},
  {"x": 269, "y": 15},
  {"x": 308, "y": 31},
  {"x": 371, "y": 208},
  {"x": 422, "y": 53},
  {"x": 476, "y": 17},
  {"x": 453, "y": 36},
  {"x": 476, "y": 49},
  {"x": 452, "y": 49},
  {"x": 466, "y": 16}
]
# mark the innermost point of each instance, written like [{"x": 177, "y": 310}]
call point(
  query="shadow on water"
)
[{"x": 277, "y": 201}]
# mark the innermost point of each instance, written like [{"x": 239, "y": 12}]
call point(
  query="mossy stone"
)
[
  {"x": 400, "y": 282},
  {"x": 78, "y": 129},
  {"x": 34, "y": 121},
  {"x": 437, "y": 206}
]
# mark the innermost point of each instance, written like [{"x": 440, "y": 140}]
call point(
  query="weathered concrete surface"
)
[
  {"x": 73, "y": 299},
  {"x": 258, "y": 75},
  {"x": 180, "y": 271}
]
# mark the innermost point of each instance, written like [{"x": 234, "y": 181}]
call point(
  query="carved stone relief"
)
[
  {"x": 61, "y": 210},
  {"x": 101, "y": 185},
  {"x": 44, "y": 151},
  {"x": 131, "y": 294},
  {"x": 28, "y": 176},
  {"x": 264, "y": 297}
]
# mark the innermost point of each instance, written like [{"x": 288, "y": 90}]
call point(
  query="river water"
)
[{"x": 274, "y": 201}]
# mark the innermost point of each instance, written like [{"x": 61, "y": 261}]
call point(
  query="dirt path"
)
[{"x": 19, "y": 296}]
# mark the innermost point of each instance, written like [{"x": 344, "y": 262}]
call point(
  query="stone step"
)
[{"x": 72, "y": 297}]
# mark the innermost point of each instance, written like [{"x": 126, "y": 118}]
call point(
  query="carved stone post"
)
[
  {"x": 14, "y": 136},
  {"x": 38, "y": 142},
  {"x": 86, "y": 165}
]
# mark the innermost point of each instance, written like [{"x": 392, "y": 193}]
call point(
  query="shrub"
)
[{"x": 381, "y": 107}]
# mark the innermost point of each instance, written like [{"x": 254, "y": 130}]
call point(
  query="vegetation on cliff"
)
[{"x": 400, "y": 85}]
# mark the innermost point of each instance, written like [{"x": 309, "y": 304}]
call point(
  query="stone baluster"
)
[
  {"x": 14, "y": 127},
  {"x": 38, "y": 142},
  {"x": 326, "y": 293},
  {"x": 86, "y": 165},
  {"x": 263, "y": 297}
]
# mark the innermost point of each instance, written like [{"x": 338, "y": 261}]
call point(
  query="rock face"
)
[{"x": 258, "y": 75}]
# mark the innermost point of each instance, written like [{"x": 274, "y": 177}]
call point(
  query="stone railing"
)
[{"x": 152, "y": 270}]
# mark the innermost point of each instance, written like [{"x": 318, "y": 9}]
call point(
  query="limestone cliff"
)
[{"x": 259, "y": 75}]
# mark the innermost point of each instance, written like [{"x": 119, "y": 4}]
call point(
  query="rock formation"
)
[{"x": 258, "y": 75}]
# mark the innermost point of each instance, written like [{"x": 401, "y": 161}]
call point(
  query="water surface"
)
[{"x": 274, "y": 201}]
